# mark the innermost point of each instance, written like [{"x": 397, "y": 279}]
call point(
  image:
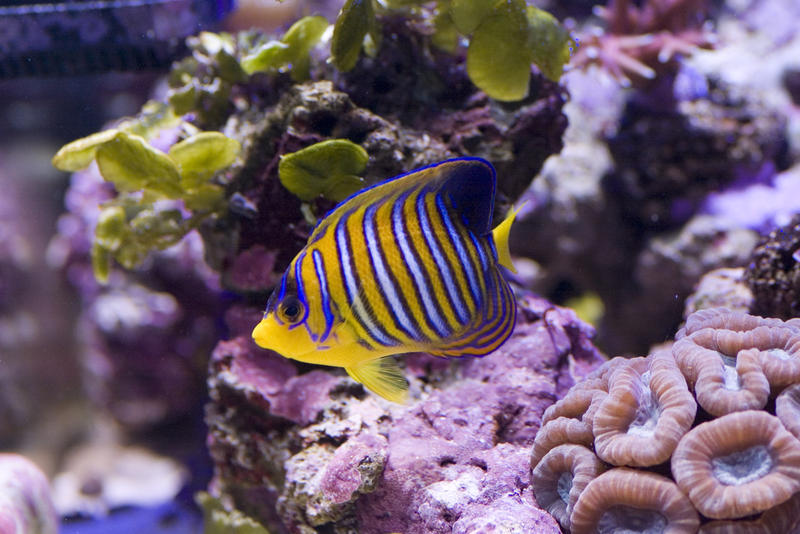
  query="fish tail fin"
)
[
  {"x": 500, "y": 236},
  {"x": 383, "y": 377}
]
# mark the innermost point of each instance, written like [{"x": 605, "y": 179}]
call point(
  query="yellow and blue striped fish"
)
[{"x": 408, "y": 265}]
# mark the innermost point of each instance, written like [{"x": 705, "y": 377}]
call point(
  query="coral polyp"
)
[{"x": 728, "y": 463}]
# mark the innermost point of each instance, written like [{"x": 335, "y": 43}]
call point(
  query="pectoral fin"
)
[{"x": 383, "y": 377}]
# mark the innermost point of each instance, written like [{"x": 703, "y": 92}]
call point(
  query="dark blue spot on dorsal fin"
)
[{"x": 470, "y": 186}]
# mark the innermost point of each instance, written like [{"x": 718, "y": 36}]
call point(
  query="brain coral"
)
[{"x": 702, "y": 436}]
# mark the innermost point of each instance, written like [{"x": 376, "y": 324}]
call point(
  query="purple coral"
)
[
  {"x": 761, "y": 205},
  {"x": 626, "y": 500},
  {"x": 647, "y": 411},
  {"x": 733, "y": 360},
  {"x": 643, "y": 38},
  {"x": 739, "y": 464},
  {"x": 322, "y": 451}
]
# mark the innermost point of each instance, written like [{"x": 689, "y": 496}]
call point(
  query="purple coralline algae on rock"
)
[
  {"x": 761, "y": 205},
  {"x": 668, "y": 160},
  {"x": 309, "y": 450},
  {"x": 26, "y": 506}
]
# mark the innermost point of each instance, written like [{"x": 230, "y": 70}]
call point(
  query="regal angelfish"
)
[{"x": 407, "y": 265}]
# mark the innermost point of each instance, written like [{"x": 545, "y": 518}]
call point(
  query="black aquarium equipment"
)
[{"x": 69, "y": 37}]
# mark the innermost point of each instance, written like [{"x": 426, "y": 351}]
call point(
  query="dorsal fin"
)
[{"x": 468, "y": 182}]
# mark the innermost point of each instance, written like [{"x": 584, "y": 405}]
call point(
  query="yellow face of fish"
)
[
  {"x": 411, "y": 264},
  {"x": 275, "y": 330},
  {"x": 299, "y": 322}
]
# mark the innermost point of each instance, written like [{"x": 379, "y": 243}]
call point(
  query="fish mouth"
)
[
  {"x": 264, "y": 336},
  {"x": 261, "y": 335}
]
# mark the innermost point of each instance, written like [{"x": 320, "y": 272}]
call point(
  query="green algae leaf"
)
[
  {"x": 79, "y": 154},
  {"x": 218, "y": 520},
  {"x": 468, "y": 14},
  {"x": 549, "y": 43},
  {"x": 111, "y": 228},
  {"x": 213, "y": 43},
  {"x": 131, "y": 164},
  {"x": 131, "y": 255},
  {"x": 329, "y": 169},
  {"x": 356, "y": 19},
  {"x": 183, "y": 99},
  {"x": 200, "y": 156},
  {"x": 292, "y": 50},
  {"x": 205, "y": 198},
  {"x": 445, "y": 33},
  {"x": 268, "y": 57},
  {"x": 152, "y": 229},
  {"x": 372, "y": 43},
  {"x": 498, "y": 61},
  {"x": 222, "y": 48},
  {"x": 154, "y": 117},
  {"x": 101, "y": 262},
  {"x": 305, "y": 33},
  {"x": 301, "y": 37},
  {"x": 228, "y": 68}
]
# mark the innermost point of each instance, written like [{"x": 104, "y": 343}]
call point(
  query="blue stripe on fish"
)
[
  {"x": 360, "y": 309},
  {"x": 413, "y": 262},
  {"x": 448, "y": 242},
  {"x": 388, "y": 286},
  {"x": 444, "y": 274},
  {"x": 481, "y": 254},
  {"x": 461, "y": 251},
  {"x": 301, "y": 294},
  {"x": 319, "y": 268},
  {"x": 281, "y": 295},
  {"x": 430, "y": 313}
]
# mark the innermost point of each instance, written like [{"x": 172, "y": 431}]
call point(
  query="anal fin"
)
[{"x": 383, "y": 377}]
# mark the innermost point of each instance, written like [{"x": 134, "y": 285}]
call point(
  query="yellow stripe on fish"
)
[{"x": 408, "y": 265}]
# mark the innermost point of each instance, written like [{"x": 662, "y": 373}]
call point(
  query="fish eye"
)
[{"x": 291, "y": 309}]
